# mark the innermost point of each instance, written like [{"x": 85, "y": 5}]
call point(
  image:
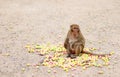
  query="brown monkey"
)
[{"x": 75, "y": 42}]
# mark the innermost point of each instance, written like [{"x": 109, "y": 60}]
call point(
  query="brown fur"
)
[{"x": 75, "y": 42}]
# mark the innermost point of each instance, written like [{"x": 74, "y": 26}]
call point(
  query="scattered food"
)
[
  {"x": 100, "y": 72},
  {"x": 49, "y": 71},
  {"x": 23, "y": 69},
  {"x": 57, "y": 59},
  {"x": 6, "y": 54}
]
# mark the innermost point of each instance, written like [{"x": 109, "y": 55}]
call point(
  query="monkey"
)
[{"x": 75, "y": 42}]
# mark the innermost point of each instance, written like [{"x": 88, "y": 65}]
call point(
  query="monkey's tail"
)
[{"x": 87, "y": 52}]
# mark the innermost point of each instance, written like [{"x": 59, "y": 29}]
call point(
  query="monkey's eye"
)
[{"x": 75, "y": 28}]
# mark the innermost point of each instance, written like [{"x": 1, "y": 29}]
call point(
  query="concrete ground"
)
[{"x": 41, "y": 21}]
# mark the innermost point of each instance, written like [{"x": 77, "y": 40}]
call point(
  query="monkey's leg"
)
[
  {"x": 68, "y": 51},
  {"x": 78, "y": 49}
]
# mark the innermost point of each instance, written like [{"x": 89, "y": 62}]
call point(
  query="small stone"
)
[
  {"x": 55, "y": 71},
  {"x": 72, "y": 75}
]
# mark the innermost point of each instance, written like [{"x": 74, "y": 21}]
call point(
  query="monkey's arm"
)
[{"x": 66, "y": 42}]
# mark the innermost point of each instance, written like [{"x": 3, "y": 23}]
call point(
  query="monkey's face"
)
[{"x": 74, "y": 28}]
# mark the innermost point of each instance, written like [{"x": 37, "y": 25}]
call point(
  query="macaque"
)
[{"x": 75, "y": 42}]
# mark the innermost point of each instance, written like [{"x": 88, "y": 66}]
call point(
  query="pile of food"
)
[{"x": 55, "y": 56}]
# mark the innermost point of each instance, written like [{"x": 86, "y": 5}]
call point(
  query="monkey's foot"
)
[
  {"x": 73, "y": 56},
  {"x": 68, "y": 55}
]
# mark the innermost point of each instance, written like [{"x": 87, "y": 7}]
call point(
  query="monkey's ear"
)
[
  {"x": 78, "y": 29},
  {"x": 71, "y": 29},
  {"x": 71, "y": 26}
]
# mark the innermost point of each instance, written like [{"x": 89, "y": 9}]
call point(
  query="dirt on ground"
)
[{"x": 47, "y": 21}]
